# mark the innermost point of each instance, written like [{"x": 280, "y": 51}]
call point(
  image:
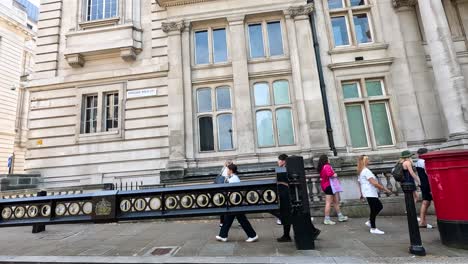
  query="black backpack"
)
[{"x": 397, "y": 172}]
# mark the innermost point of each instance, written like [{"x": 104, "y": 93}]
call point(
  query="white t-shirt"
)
[
  {"x": 233, "y": 179},
  {"x": 421, "y": 164},
  {"x": 367, "y": 189}
]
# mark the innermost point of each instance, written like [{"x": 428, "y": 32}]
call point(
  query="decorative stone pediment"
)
[
  {"x": 403, "y": 3},
  {"x": 166, "y": 3},
  {"x": 173, "y": 26},
  {"x": 303, "y": 10}
]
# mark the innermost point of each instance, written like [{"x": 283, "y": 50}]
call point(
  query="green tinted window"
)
[
  {"x": 356, "y": 126},
  {"x": 382, "y": 132},
  {"x": 281, "y": 92},
  {"x": 285, "y": 126},
  {"x": 350, "y": 90},
  {"x": 374, "y": 88}
]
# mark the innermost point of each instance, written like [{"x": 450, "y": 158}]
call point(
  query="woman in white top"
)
[{"x": 369, "y": 187}]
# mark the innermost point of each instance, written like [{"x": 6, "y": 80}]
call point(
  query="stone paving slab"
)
[{"x": 193, "y": 241}]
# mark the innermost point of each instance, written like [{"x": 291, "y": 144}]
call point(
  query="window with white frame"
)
[
  {"x": 273, "y": 113},
  {"x": 368, "y": 113},
  {"x": 265, "y": 39},
  {"x": 100, "y": 115},
  {"x": 350, "y": 22},
  {"x": 214, "y": 116},
  {"x": 101, "y": 9},
  {"x": 211, "y": 46}
]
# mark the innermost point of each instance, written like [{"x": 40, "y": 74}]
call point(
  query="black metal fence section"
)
[{"x": 114, "y": 205}]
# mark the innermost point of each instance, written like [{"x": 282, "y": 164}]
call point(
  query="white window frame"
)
[
  {"x": 101, "y": 133},
  {"x": 273, "y": 108},
  {"x": 87, "y": 14},
  {"x": 266, "y": 45},
  {"x": 365, "y": 101},
  {"x": 214, "y": 113},
  {"x": 348, "y": 12}
]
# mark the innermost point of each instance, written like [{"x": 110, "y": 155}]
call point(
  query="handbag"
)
[
  {"x": 335, "y": 185},
  {"x": 220, "y": 179}
]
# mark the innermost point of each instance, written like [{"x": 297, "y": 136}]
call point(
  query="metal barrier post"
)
[{"x": 37, "y": 228}]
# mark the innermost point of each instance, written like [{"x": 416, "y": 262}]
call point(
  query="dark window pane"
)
[
  {"x": 265, "y": 129},
  {"x": 275, "y": 40},
  {"x": 261, "y": 94},
  {"x": 361, "y": 24},
  {"x": 223, "y": 98},
  {"x": 256, "y": 41},
  {"x": 350, "y": 90},
  {"x": 333, "y": 4},
  {"x": 381, "y": 125},
  {"x": 219, "y": 45},
  {"x": 204, "y": 100},
  {"x": 281, "y": 92},
  {"x": 357, "y": 2},
  {"x": 356, "y": 126},
  {"x": 225, "y": 131},
  {"x": 201, "y": 47},
  {"x": 206, "y": 133},
  {"x": 285, "y": 126},
  {"x": 340, "y": 31}
]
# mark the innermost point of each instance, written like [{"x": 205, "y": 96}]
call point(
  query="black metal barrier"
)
[{"x": 170, "y": 202}]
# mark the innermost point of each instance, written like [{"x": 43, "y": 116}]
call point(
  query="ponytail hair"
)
[{"x": 362, "y": 161}]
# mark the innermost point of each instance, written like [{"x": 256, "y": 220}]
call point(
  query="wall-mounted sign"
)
[{"x": 142, "y": 93}]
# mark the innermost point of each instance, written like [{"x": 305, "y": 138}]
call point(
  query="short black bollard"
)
[
  {"x": 37, "y": 228},
  {"x": 416, "y": 247}
]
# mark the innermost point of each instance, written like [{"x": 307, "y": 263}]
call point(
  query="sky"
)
[{"x": 35, "y": 2}]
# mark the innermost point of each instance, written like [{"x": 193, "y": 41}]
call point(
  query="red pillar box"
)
[{"x": 448, "y": 174}]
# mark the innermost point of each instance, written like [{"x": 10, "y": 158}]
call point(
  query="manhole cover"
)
[{"x": 162, "y": 251}]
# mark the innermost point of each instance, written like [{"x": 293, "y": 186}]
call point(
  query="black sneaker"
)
[
  {"x": 316, "y": 234},
  {"x": 284, "y": 239}
]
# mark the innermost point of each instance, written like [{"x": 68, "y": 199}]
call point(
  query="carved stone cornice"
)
[
  {"x": 166, "y": 3},
  {"x": 173, "y": 26},
  {"x": 303, "y": 10},
  {"x": 404, "y": 3},
  {"x": 75, "y": 60}
]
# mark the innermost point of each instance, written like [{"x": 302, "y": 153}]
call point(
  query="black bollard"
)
[
  {"x": 416, "y": 247},
  {"x": 37, "y": 228}
]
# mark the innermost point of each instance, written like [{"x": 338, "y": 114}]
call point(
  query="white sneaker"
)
[
  {"x": 328, "y": 222},
  {"x": 251, "y": 239},
  {"x": 419, "y": 219},
  {"x": 221, "y": 239},
  {"x": 220, "y": 225},
  {"x": 429, "y": 226},
  {"x": 342, "y": 218},
  {"x": 368, "y": 223},
  {"x": 278, "y": 221},
  {"x": 376, "y": 231}
]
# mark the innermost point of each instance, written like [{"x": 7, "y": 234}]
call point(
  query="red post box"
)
[{"x": 448, "y": 177}]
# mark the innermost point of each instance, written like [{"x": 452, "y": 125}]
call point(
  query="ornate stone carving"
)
[
  {"x": 173, "y": 26},
  {"x": 128, "y": 54},
  {"x": 303, "y": 10},
  {"x": 402, "y": 3},
  {"x": 75, "y": 60}
]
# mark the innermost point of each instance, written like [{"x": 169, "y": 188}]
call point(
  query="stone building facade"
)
[
  {"x": 138, "y": 89},
  {"x": 16, "y": 62}
]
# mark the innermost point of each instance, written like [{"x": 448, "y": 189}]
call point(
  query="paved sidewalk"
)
[{"x": 185, "y": 241}]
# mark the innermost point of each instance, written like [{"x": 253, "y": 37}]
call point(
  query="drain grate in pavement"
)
[{"x": 162, "y": 251}]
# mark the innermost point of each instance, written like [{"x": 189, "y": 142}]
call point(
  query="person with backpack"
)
[
  {"x": 425, "y": 189},
  {"x": 368, "y": 187},
  {"x": 326, "y": 173}
]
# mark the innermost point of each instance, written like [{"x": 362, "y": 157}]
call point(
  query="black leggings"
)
[{"x": 375, "y": 208}]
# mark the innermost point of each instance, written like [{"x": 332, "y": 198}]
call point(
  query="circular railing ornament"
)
[
  {"x": 203, "y": 200},
  {"x": 186, "y": 201},
  {"x": 88, "y": 208},
  {"x": 125, "y": 205},
  {"x": 20, "y": 211},
  {"x": 219, "y": 199},
  {"x": 235, "y": 198},
  {"x": 155, "y": 203},
  {"x": 33, "y": 211},
  {"x": 60, "y": 209},
  {"x": 171, "y": 202},
  {"x": 73, "y": 208},
  {"x": 269, "y": 196},
  {"x": 6, "y": 213},
  {"x": 46, "y": 210},
  {"x": 140, "y": 204},
  {"x": 252, "y": 197}
]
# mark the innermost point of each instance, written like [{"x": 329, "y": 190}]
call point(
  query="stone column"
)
[
  {"x": 303, "y": 138},
  {"x": 241, "y": 91},
  {"x": 189, "y": 138},
  {"x": 309, "y": 76},
  {"x": 450, "y": 81},
  {"x": 175, "y": 94}
]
